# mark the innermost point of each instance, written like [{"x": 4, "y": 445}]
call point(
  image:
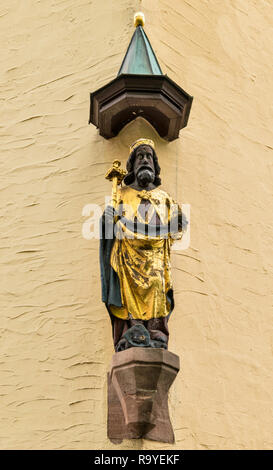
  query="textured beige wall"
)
[{"x": 55, "y": 333}]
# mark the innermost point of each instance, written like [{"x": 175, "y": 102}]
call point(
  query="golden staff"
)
[{"x": 116, "y": 175}]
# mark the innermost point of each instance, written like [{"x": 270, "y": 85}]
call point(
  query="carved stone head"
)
[{"x": 143, "y": 165}]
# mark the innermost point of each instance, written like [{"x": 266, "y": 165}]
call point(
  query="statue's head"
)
[{"x": 142, "y": 164}]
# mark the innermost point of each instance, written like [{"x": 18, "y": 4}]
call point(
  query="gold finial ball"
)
[{"x": 139, "y": 19}]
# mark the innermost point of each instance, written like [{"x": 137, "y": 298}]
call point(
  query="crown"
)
[{"x": 139, "y": 142}]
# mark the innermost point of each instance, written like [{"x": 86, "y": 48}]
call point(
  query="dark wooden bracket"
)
[{"x": 155, "y": 98}]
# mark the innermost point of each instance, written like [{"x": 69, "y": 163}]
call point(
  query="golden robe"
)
[{"x": 141, "y": 261}]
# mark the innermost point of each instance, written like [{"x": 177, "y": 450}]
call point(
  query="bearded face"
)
[{"x": 144, "y": 169}]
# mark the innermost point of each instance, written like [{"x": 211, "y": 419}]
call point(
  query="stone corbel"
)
[{"x": 138, "y": 384}]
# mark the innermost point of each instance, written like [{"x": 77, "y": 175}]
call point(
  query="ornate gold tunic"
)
[{"x": 142, "y": 262}]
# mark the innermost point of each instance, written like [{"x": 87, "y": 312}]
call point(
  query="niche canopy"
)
[{"x": 140, "y": 90}]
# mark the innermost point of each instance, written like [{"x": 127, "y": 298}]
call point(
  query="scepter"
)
[{"x": 116, "y": 175}]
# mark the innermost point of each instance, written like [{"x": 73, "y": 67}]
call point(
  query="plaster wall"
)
[{"x": 55, "y": 333}]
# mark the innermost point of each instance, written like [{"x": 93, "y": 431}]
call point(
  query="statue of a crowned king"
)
[{"x": 136, "y": 239}]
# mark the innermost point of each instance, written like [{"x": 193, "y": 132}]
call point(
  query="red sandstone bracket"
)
[{"x": 138, "y": 385}]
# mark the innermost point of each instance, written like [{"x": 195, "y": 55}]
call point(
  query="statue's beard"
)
[{"x": 145, "y": 176}]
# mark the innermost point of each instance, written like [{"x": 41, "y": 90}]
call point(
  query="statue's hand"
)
[
  {"x": 108, "y": 222},
  {"x": 109, "y": 214}
]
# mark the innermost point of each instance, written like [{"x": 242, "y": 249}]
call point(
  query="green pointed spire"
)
[{"x": 140, "y": 57}]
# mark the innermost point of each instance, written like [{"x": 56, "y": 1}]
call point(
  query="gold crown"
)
[{"x": 139, "y": 142}]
